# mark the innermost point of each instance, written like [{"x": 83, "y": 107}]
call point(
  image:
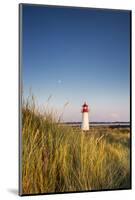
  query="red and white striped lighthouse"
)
[{"x": 85, "y": 117}]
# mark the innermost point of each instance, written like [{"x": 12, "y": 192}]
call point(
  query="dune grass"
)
[{"x": 57, "y": 158}]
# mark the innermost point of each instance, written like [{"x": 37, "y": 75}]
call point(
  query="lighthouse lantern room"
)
[{"x": 85, "y": 117}]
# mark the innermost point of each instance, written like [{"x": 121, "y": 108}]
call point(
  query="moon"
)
[{"x": 59, "y": 81}]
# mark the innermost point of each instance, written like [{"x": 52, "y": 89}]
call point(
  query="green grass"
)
[{"x": 58, "y": 158}]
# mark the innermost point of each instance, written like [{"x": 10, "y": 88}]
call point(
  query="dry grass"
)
[{"x": 57, "y": 158}]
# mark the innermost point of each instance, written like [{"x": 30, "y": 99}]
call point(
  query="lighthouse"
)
[{"x": 85, "y": 117}]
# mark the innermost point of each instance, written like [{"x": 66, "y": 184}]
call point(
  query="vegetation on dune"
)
[{"x": 58, "y": 158}]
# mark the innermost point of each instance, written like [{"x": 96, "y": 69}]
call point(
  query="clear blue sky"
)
[{"x": 78, "y": 55}]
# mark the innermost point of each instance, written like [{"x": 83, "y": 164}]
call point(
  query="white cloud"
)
[{"x": 115, "y": 116}]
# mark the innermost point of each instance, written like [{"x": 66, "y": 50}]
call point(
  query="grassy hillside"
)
[{"x": 57, "y": 158}]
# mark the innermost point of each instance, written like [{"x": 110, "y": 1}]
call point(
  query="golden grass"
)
[{"x": 58, "y": 158}]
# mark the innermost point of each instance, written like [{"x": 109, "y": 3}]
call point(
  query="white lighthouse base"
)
[{"x": 85, "y": 121}]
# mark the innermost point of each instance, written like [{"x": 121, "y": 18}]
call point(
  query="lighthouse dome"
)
[
  {"x": 84, "y": 104},
  {"x": 85, "y": 107}
]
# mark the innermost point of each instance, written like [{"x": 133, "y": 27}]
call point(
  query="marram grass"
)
[{"x": 57, "y": 158}]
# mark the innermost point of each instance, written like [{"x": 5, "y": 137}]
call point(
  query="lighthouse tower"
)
[{"x": 85, "y": 117}]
